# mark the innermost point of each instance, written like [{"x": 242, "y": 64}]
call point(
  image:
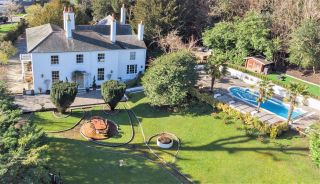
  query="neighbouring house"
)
[
  {"x": 258, "y": 64},
  {"x": 202, "y": 54},
  {"x": 81, "y": 53}
]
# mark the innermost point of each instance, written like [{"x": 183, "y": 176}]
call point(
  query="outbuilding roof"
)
[
  {"x": 260, "y": 60},
  {"x": 51, "y": 38}
]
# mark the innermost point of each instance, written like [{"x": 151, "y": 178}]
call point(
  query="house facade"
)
[{"x": 84, "y": 53}]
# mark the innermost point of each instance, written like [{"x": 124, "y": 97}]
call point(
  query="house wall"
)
[
  {"x": 115, "y": 61},
  {"x": 311, "y": 102}
]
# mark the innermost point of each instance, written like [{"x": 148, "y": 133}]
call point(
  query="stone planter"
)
[{"x": 166, "y": 145}]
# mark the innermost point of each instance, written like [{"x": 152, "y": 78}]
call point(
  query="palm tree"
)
[
  {"x": 216, "y": 68},
  {"x": 265, "y": 92},
  {"x": 294, "y": 90}
]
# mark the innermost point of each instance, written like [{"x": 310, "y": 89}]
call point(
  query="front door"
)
[{"x": 80, "y": 80}]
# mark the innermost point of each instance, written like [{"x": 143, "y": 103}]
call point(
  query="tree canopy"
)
[
  {"x": 305, "y": 45},
  {"x": 102, "y": 8},
  {"x": 241, "y": 38},
  {"x": 22, "y": 148},
  {"x": 170, "y": 78}
]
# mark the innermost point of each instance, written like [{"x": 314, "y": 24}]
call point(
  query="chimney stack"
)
[
  {"x": 68, "y": 21},
  {"x": 140, "y": 31},
  {"x": 113, "y": 30},
  {"x": 68, "y": 27},
  {"x": 123, "y": 15}
]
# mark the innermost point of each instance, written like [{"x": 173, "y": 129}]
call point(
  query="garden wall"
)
[{"x": 311, "y": 102}]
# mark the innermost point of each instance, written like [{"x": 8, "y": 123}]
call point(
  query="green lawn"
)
[
  {"x": 313, "y": 89},
  {"x": 211, "y": 152},
  {"x": 4, "y": 28},
  {"x": 48, "y": 122}
]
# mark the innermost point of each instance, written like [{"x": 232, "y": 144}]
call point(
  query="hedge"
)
[
  {"x": 264, "y": 77},
  {"x": 13, "y": 35},
  {"x": 249, "y": 121}
]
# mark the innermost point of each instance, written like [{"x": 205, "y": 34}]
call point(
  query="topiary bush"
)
[
  {"x": 63, "y": 95},
  {"x": 112, "y": 92}
]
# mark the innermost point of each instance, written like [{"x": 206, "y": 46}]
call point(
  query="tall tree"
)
[
  {"x": 305, "y": 45},
  {"x": 22, "y": 148},
  {"x": 216, "y": 67},
  {"x": 159, "y": 17},
  {"x": 102, "y": 8},
  {"x": 294, "y": 90},
  {"x": 265, "y": 92},
  {"x": 241, "y": 38},
  {"x": 170, "y": 78}
]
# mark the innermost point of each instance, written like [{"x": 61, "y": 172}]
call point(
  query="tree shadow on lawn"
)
[
  {"x": 225, "y": 144},
  {"x": 81, "y": 161}
]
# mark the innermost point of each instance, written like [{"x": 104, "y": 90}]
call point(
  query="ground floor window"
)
[
  {"x": 100, "y": 73},
  {"x": 55, "y": 76},
  {"x": 131, "y": 69}
]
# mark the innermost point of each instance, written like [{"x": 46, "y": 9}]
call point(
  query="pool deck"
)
[{"x": 221, "y": 87}]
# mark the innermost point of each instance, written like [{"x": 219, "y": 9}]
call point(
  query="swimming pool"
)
[{"x": 274, "y": 106}]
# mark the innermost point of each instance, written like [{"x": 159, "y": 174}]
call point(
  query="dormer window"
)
[
  {"x": 101, "y": 57},
  {"x": 132, "y": 55},
  {"x": 54, "y": 60},
  {"x": 79, "y": 58}
]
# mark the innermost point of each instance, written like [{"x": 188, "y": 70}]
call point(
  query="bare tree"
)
[
  {"x": 173, "y": 42},
  {"x": 11, "y": 9}
]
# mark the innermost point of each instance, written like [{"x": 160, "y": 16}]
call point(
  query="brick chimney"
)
[
  {"x": 123, "y": 15},
  {"x": 140, "y": 31},
  {"x": 113, "y": 30}
]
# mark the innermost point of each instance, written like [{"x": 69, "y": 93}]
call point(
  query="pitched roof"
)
[
  {"x": 260, "y": 60},
  {"x": 51, "y": 38}
]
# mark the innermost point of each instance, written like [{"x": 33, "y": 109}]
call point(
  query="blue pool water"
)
[{"x": 275, "y": 106}]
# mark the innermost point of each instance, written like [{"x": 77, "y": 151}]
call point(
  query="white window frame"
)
[
  {"x": 100, "y": 75},
  {"x": 133, "y": 55},
  {"x": 79, "y": 57},
  {"x": 54, "y": 59},
  {"x": 55, "y": 76},
  {"x": 132, "y": 69},
  {"x": 101, "y": 57}
]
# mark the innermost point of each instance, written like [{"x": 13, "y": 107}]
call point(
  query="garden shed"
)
[{"x": 258, "y": 64}]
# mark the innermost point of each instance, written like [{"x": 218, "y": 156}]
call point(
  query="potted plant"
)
[
  {"x": 94, "y": 85},
  {"x": 87, "y": 89},
  {"x": 164, "y": 141},
  {"x": 40, "y": 90}
]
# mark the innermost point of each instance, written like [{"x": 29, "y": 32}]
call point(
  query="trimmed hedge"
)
[
  {"x": 264, "y": 77},
  {"x": 251, "y": 123},
  {"x": 13, "y": 35}
]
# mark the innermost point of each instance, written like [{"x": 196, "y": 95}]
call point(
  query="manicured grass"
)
[
  {"x": 121, "y": 119},
  {"x": 48, "y": 122},
  {"x": 214, "y": 152},
  {"x": 211, "y": 152},
  {"x": 4, "y": 28},
  {"x": 313, "y": 89},
  {"x": 81, "y": 162}
]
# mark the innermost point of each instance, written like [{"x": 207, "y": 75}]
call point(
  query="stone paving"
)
[{"x": 30, "y": 103}]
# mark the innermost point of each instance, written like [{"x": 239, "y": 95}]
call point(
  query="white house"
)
[{"x": 82, "y": 52}]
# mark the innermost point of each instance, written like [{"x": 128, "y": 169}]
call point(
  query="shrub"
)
[
  {"x": 170, "y": 78},
  {"x": 314, "y": 144},
  {"x": 134, "y": 82},
  {"x": 112, "y": 92},
  {"x": 278, "y": 128},
  {"x": 203, "y": 97},
  {"x": 63, "y": 95},
  {"x": 14, "y": 34}
]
